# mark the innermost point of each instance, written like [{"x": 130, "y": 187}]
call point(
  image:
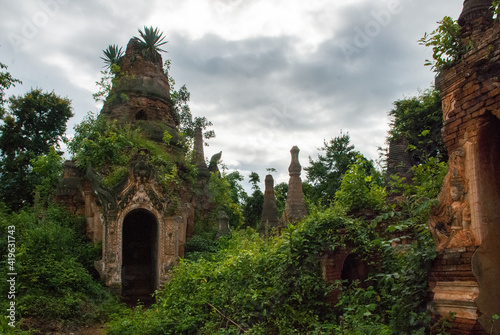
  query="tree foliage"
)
[
  {"x": 281, "y": 192},
  {"x": 419, "y": 120},
  {"x": 6, "y": 81},
  {"x": 238, "y": 194},
  {"x": 221, "y": 192},
  {"x": 325, "y": 174},
  {"x": 496, "y": 9},
  {"x": 359, "y": 191},
  {"x": 54, "y": 262},
  {"x": 112, "y": 55},
  {"x": 447, "y": 45},
  {"x": 35, "y": 123},
  {"x": 150, "y": 41},
  {"x": 252, "y": 209},
  {"x": 180, "y": 99}
]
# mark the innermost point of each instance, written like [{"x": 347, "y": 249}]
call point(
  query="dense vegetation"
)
[
  {"x": 245, "y": 283},
  {"x": 275, "y": 285}
]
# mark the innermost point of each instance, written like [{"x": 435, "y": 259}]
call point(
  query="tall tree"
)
[
  {"x": 325, "y": 173},
  {"x": 419, "y": 119},
  {"x": 238, "y": 194},
  {"x": 281, "y": 192},
  {"x": 180, "y": 99},
  {"x": 252, "y": 210},
  {"x": 34, "y": 123},
  {"x": 6, "y": 81}
]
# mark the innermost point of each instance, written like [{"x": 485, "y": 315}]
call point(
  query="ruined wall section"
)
[
  {"x": 471, "y": 88},
  {"x": 466, "y": 223}
]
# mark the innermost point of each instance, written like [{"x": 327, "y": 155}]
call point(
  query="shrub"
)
[
  {"x": 358, "y": 191},
  {"x": 53, "y": 262}
]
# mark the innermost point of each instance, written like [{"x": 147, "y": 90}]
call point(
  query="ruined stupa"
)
[
  {"x": 142, "y": 223},
  {"x": 464, "y": 276},
  {"x": 269, "y": 215},
  {"x": 295, "y": 207}
]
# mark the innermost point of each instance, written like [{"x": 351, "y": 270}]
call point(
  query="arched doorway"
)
[
  {"x": 486, "y": 260},
  {"x": 489, "y": 161},
  {"x": 354, "y": 269},
  {"x": 139, "y": 254}
]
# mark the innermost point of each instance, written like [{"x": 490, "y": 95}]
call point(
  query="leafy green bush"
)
[
  {"x": 54, "y": 262},
  {"x": 48, "y": 170},
  {"x": 358, "y": 191},
  {"x": 220, "y": 190},
  {"x": 264, "y": 286},
  {"x": 275, "y": 285},
  {"x": 447, "y": 46},
  {"x": 419, "y": 120}
]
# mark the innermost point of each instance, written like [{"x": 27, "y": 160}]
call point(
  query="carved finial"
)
[
  {"x": 214, "y": 161},
  {"x": 295, "y": 168},
  {"x": 474, "y": 9}
]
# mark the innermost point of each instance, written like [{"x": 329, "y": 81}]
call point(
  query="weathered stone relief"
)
[
  {"x": 448, "y": 104},
  {"x": 451, "y": 220}
]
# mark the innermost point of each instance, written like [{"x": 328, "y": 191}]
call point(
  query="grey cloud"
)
[{"x": 263, "y": 92}]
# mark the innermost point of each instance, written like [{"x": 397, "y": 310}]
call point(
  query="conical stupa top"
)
[
  {"x": 295, "y": 208},
  {"x": 142, "y": 93},
  {"x": 294, "y": 168},
  {"x": 199, "y": 156},
  {"x": 269, "y": 210},
  {"x": 474, "y": 9}
]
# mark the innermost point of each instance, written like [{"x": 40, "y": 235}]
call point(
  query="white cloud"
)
[{"x": 269, "y": 74}]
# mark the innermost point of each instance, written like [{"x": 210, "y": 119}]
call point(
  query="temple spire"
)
[
  {"x": 474, "y": 9},
  {"x": 269, "y": 210},
  {"x": 199, "y": 155},
  {"x": 295, "y": 207}
]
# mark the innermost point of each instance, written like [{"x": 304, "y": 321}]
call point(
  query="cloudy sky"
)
[{"x": 268, "y": 74}]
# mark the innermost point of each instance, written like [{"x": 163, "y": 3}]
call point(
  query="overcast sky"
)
[{"x": 268, "y": 74}]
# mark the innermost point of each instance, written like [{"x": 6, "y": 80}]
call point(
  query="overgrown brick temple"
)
[
  {"x": 466, "y": 224},
  {"x": 142, "y": 225}
]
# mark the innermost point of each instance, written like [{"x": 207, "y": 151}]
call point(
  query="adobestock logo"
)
[
  {"x": 365, "y": 34},
  {"x": 31, "y": 26},
  {"x": 224, "y": 7}
]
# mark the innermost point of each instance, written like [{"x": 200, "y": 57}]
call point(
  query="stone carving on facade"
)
[
  {"x": 143, "y": 170},
  {"x": 214, "y": 160},
  {"x": 451, "y": 219},
  {"x": 448, "y": 105}
]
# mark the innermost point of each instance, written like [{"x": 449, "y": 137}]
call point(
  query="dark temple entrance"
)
[
  {"x": 354, "y": 269},
  {"x": 139, "y": 255}
]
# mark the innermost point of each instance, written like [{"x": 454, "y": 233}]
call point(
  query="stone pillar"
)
[
  {"x": 295, "y": 207},
  {"x": 465, "y": 224},
  {"x": 269, "y": 215}
]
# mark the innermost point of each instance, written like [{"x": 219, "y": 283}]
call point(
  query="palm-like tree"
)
[
  {"x": 112, "y": 55},
  {"x": 151, "y": 40}
]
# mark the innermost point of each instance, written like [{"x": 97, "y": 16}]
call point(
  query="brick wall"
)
[
  {"x": 471, "y": 88},
  {"x": 454, "y": 286}
]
